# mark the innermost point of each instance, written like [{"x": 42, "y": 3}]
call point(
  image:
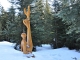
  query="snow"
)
[{"x": 7, "y": 52}]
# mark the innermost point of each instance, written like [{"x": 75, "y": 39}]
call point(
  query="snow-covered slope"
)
[{"x": 7, "y": 52}]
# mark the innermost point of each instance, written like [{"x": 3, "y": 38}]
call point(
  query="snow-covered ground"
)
[{"x": 7, "y": 52}]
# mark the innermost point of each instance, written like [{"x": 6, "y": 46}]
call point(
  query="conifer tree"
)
[
  {"x": 9, "y": 24},
  {"x": 3, "y": 19},
  {"x": 48, "y": 23},
  {"x": 37, "y": 22},
  {"x": 59, "y": 28},
  {"x": 41, "y": 23},
  {"x": 70, "y": 14}
]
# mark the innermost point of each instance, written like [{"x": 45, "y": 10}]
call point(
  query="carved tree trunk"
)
[
  {"x": 23, "y": 43},
  {"x": 29, "y": 37},
  {"x": 26, "y": 22}
]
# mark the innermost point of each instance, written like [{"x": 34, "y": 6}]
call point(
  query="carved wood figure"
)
[
  {"x": 29, "y": 38},
  {"x": 26, "y": 22},
  {"x": 23, "y": 43}
]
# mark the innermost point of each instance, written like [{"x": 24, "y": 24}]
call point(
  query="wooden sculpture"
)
[
  {"x": 26, "y": 22},
  {"x": 29, "y": 38},
  {"x": 23, "y": 43}
]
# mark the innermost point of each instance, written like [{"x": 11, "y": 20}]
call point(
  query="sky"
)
[{"x": 5, "y": 4}]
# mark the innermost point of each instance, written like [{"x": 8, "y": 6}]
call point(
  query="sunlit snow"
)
[{"x": 7, "y": 52}]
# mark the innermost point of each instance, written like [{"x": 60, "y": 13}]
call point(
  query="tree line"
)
[{"x": 58, "y": 27}]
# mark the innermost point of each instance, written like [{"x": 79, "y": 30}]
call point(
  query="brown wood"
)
[{"x": 28, "y": 43}]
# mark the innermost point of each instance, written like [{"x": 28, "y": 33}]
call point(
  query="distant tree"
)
[
  {"x": 8, "y": 24},
  {"x": 41, "y": 23},
  {"x": 59, "y": 28},
  {"x": 55, "y": 23},
  {"x": 3, "y": 19},
  {"x": 2, "y": 12},
  {"x": 48, "y": 24},
  {"x": 1, "y": 7},
  {"x": 70, "y": 14},
  {"x": 37, "y": 22}
]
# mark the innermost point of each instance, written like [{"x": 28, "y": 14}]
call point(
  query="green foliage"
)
[
  {"x": 70, "y": 15},
  {"x": 8, "y": 31},
  {"x": 3, "y": 19},
  {"x": 73, "y": 41},
  {"x": 37, "y": 23},
  {"x": 41, "y": 23},
  {"x": 11, "y": 26},
  {"x": 1, "y": 7},
  {"x": 61, "y": 25},
  {"x": 59, "y": 28}
]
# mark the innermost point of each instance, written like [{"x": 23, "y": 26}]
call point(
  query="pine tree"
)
[
  {"x": 48, "y": 23},
  {"x": 9, "y": 24},
  {"x": 70, "y": 14},
  {"x": 37, "y": 23},
  {"x": 59, "y": 28},
  {"x": 3, "y": 19}
]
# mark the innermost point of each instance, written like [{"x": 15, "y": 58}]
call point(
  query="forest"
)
[{"x": 55, "y": 23}]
